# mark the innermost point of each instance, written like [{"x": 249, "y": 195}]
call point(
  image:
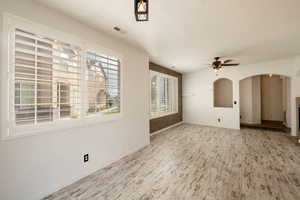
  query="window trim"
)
[
  {"x": 164, "y": 114},
  {"x": 98, "y": 49},
  {"x": 8, "y": 128}
]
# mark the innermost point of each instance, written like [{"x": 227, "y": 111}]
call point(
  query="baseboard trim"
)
[
  {"x": 211, "y": 125},
  {"x": 164, "y": 129}
]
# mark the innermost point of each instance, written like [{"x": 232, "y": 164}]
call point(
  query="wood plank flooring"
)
[{"x": 192, "y": 162}]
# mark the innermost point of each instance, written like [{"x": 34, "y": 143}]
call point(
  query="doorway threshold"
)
[{"x": 268, "y": 125}]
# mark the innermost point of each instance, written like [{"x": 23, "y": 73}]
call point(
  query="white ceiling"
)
[{"x": 188, "y": 34}]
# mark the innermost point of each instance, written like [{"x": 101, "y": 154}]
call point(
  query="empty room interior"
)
[{"x": 150, "y": 100}]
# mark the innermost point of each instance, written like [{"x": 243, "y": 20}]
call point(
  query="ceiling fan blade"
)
[
  {"x": 227, "y": 61},
  {"x": 234, "y": 64}
]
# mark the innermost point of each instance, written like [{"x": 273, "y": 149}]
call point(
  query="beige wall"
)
[
  {"x": 246, "y": 100},
  {"x": 223, "y": 93},
  {"x": 286, "y": 98},
  {"x": 256, "y": 99},
  {"x": 272, "y": 98},
  {"x": 250, "y": 100}
]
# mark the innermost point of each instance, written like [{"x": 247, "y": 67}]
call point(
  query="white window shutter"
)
[
  {"x": 103, "y": 83},
  {"x": 164, "y": 94},
  {"x": 47, "y": 79}
]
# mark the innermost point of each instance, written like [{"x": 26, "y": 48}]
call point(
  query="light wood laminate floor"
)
[{"x": 193, "y": 162}]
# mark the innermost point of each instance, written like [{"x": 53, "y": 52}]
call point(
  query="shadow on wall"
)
[{"x": 223, "y": 93}]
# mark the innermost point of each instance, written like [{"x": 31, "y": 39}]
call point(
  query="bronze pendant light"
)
[{"x": 141, "y": 10}]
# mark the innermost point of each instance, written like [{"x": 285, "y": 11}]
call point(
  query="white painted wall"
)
[
  {"x": 35, "y": 166},
  {"x": 198, "y": 92},
  {"x": 198, "y": 101}
]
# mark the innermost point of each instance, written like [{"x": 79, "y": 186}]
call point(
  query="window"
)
[
  {"x": 47, "y": 79},
  {"x": 51, "y": 81},
  {"x": 164, "y": 94},
  {"x": 63, "y": 99},
  {"x": 22, "y": 92},
  {"x": 103, "y": 75}
]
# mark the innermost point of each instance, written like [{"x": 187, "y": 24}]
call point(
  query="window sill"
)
[
  {"x": 58, "y": 126},
  {"x": 162, "y": 115}
]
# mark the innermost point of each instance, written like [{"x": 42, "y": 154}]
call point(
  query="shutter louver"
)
[
  {"x": 164, "y": 94},
  {"x": 103, "y": 83},
  {"x": 47, "y": 79}
]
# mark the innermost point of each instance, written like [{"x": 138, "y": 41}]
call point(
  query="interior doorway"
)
[{"x": 265, "y": 102}]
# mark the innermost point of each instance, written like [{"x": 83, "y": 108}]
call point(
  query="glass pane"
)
[
  {"x": 47, "y": 76},
  {"x": 163, "y": 94},
  {"x": 154, "y": 95},
  {"x": 103, "y": 76}
]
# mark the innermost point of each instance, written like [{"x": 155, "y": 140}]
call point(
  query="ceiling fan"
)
[{"x": 218, "y": 64}]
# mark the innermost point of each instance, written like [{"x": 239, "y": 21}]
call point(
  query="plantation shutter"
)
[
  {"x": 154, "y": 94},
  {"x": 164, "y": 92},
  {"x": 47, "y": 77},
  {"x": 103, "y": 83}
]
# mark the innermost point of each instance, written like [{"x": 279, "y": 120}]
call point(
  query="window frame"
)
[
  {"x": 164, "y": 114},
  {"x": 9, "y": 130},
  {"x": 96, "y": 49}
]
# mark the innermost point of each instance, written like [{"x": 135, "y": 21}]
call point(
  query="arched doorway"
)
[{"x": 265, "y": 102}]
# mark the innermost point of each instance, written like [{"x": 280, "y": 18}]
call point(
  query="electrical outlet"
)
[{"x": 86, "y": 158}]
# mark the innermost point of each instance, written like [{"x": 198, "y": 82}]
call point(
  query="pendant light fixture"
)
[{"x": 141, "y": 10}]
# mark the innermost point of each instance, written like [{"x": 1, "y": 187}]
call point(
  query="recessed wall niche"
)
[{"x": 223, "y": 93}]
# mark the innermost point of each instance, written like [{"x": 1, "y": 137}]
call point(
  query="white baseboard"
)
[{"x": 164, "y": 129}]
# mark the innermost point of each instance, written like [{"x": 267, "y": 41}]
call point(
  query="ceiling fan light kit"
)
[
  {"x": 141, "y": 8},
  {"x": 218, "y": 64}
]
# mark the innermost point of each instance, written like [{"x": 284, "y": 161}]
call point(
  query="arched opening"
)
[
  {"x": 265, "y": 102},
  {"x": 223, "y": 93}
]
